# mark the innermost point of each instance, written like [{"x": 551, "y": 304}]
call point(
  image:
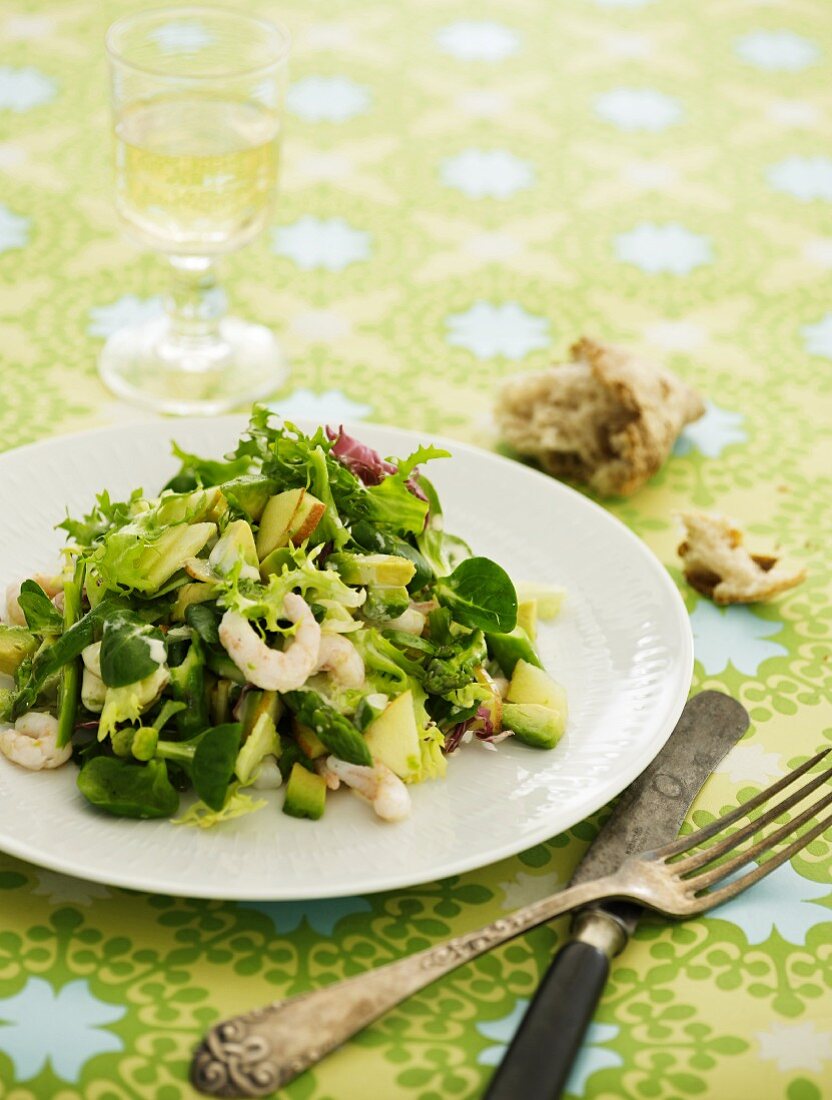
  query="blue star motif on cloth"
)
[
  {"x": 22, "y": 89},
  {"x": 476, "y": 40},
  {"x": 724, "y": 636},
  {"x": 487, "y": 330},
  {"x": 711, "y": 433},
  {"x": 38, "y": 1025},
  {"x": 592, "y": 1056},
  {"x": 327, "y": 99},
  {"x": 658, "y": 249},
  {"x": 14, "y": 229},
  {"x": 328, "y": 243},
  {"x": 487, "y": 173},
  {"x": 777, "y": 51},
  {"x": 330, "y": 407},
  {"x": 634, "y": 109},
  {"x": 805, "y": 178},
  {"x": 784, "y": 902},
  {"x": 127, "y": 310},
  {"x": 817, "y": 338},
  {"x": 321, "y": 916}
]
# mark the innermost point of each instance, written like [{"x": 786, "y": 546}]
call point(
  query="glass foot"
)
[{"x": 146, "y": 365}]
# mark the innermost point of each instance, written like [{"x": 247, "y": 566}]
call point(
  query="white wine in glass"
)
[{"x": 197, "y": 95}]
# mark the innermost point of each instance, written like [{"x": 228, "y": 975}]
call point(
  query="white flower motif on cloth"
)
[
  {"x": 127, "y": 310},
  {"x": 324, "y": 326},
  {"x": 818, "y": 250},
  {"x": 19, "y": 28},
  {"x": 659, "y": 249},
  {"x": 328, "y": 243},
  {"x": 62, "y": 888},
  {"x": 634, "y": 109},
  {"x": 182, "y": 34},
  {"x": 593, "y": 1055},
  {"x": 724, "y": 636},
  {"x": 66, "y": 1029},
  {"x": 478, "y": 40},
  {"x": 796, "y": 1046},
  {"x": 321, "y": 916},
  {"x": 712, "y": 433},
  {"x": 14, "y": 229},
  {"x": 777, "y": 51},
  {"x": 676, "y": 335},
  {"x": 330, "y": 407},
  {"x": 817, "y": 338},
  {"x": 487, "y": 330},
  {"x": 749, "y": 762},
  {"x": 22, "y": 89},
  {"x": 327, "y": 99},
  {"x": 806, "y": 178},
  {"x": 523, "y": 889},
  {"x": 487, "y": 173}
]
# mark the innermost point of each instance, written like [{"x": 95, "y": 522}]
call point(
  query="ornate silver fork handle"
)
[{"x": 254, "y": 1054}]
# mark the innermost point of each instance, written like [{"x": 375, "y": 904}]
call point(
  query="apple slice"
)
[
  {"x": 291, "y": 516},
  {"x": 393, "y": 737}
]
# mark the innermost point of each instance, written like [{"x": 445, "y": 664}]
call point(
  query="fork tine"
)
[
  {"x": 684, "y": 843},
  {"x": 766, "y": 843},
  {"x": 728, "y": 843},
  {"x": 731, "y": 889}
]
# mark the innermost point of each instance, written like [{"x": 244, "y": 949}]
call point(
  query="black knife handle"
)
[{"x": 537, "y": 1063}]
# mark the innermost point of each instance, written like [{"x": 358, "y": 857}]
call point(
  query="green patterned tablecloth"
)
[{"x": 468, "y": 187}]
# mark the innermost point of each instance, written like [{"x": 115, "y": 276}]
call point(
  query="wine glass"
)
[{"x": 197, "y": 96}]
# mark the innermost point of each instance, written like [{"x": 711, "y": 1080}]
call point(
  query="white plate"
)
[{"x": 622, "y": 647}]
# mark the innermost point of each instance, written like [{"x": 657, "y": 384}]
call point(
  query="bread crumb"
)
[
  {"x": 717, "y": 564},
  {"x": 607, "y": 418}
]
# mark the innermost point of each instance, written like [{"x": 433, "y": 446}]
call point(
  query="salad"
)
[{"x": 294, "y": 615}]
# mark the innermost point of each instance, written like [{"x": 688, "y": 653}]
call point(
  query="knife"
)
[{"x": 648, "y": 814}]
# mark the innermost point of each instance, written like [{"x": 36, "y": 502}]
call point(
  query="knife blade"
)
[{"x": 647, "y": 815}]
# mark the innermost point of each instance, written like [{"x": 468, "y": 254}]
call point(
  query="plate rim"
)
[{"x": 608, "y": 790}]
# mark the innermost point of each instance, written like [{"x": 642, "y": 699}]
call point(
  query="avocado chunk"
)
[
  {"x": 236, "y": 544},
  {"x": 195, "y": 507},
  {"x": 16, "y": 644},
  {"x": 534, "y": 724},
  {"x": 257, "y": 703},
  {"x": 393, "y": 737},
  {"x": 188, "y": 595},
  {"x": 250, "y": 494},
  {"x": 385, "y": 602},
  {"x": 508, "y": 649},
  {"x": 305, "y": 794},
  {"x": 386, "y": 570},
  {"x": 289, "y": 517},
  {"x": 274, "y": 562},
  {"x": 530, "y": 684},
  {"x": 262, "y": 740},
  {"x": 310, "y": 743},
  {"x": 157, "y": 562}
]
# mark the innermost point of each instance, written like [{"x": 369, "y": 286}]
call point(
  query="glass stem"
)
[{"x": 195, "y": 306}]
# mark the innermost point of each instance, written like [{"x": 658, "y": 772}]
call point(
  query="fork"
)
[{"x": 256, "y": 1053}]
